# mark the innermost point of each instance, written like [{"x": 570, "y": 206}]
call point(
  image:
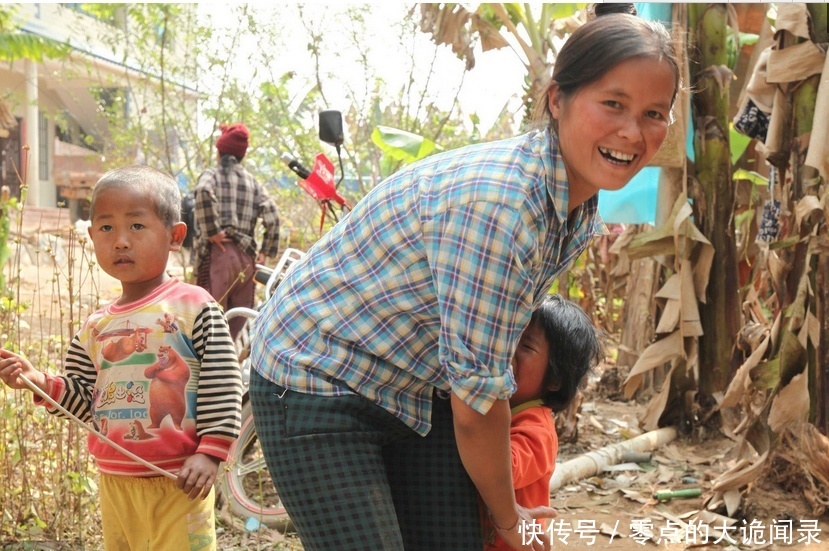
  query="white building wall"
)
[{"x": 61, "y": 88}]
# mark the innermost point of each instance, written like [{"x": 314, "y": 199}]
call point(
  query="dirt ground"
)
[
  {"x": 623, "y": 498},
  {"x": 610, "y": 510},
  {"x": 616, "y": 509}
]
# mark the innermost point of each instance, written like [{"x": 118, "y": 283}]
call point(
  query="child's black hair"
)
[
  {"x": 159, "y": 186},
  {"x": 575, "y": 347}
]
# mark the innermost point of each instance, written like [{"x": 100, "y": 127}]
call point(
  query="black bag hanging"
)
[{"x": 769, "y": 227}]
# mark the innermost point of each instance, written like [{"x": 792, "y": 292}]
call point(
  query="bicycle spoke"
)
[{"x": 254, "y": 466}]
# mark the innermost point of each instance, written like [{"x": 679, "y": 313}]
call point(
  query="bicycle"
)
[{"x": 244, "y": 479}]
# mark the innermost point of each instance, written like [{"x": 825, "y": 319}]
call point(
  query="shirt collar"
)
[
  {"x": 559, "y": 192},
  {"x": 526, "y": 405}
]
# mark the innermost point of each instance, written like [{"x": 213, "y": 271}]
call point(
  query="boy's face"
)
[
  {"x": 529, "y": 365},
  {"x": 131, "y": 242}
]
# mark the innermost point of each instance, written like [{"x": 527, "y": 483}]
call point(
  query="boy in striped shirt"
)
[{"x": 155, "y": 372}]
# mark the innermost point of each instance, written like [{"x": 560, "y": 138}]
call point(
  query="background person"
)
[
  {"x": 556, "y": 351},
  {"x": 382, "y": 362},
  {"x": 229, "y": 201},
  {"x": 155, "y": 372}
]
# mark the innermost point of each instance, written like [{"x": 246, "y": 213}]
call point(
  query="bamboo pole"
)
[
  {"x": 36, "y": 389},
  {"x": 594, "y": 462}
]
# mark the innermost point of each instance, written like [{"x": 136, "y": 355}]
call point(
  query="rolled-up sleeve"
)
[{"x": 479, "y": 254}]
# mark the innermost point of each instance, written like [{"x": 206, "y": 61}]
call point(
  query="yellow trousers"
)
[{"x": 152, "y": 514}]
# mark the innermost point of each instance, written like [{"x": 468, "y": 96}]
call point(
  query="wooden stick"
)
[
  {"x": 594, "y": 462},
  {"x": 36, "y": 389}
]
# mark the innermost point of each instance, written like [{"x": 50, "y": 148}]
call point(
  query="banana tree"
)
[
  {"x": 780, "y": 389},
  {"x": 699, "y": 299},
  {"x": 530, "y": 33},
  {"x": 714, "y": 202},
  {"x": 401, "y": 147}
]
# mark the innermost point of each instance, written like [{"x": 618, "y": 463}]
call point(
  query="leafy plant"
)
[
  {"x": 401, "y": 147},
  {"x": 7, "y": 205},
  {"x": 19, "y": 45}
]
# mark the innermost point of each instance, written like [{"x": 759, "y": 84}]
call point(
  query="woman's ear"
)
[{"x": 554, "y": 100}]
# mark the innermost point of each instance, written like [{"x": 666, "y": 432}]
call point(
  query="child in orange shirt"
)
[{"x": 557, "y": 349}]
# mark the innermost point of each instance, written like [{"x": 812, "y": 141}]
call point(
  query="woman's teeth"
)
[{"x": 616, "y": 156}]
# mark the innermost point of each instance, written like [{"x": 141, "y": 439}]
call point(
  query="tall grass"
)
[{"x": 48, "y": 492}]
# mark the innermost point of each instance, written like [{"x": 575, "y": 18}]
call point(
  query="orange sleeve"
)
[{"x": 534, "y": 444}]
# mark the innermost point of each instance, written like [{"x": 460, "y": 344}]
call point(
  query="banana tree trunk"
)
[
  {"x": 799, "y": 298},
  {"x": 713, "y": 208},
  {"x": 807, "y": 264},
  {"x": 821, "y": 387}
]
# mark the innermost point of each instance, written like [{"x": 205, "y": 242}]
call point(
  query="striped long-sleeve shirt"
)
[
  {"x": 429, "y": 281},
  {"x": 159, "y": 376}
]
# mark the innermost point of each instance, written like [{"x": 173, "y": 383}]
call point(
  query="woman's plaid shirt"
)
[{"x": 429, "y": 281}]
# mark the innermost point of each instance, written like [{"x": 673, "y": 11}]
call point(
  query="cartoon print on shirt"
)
[
  {"x": 120, "y": 392},
  {"x": 169, "y": 376},
  {"x": 108, "y": 394},
  {"x": 137, "y": 431},
  {"x": 101, "y": 424},
  {"x": 129, "y": 341},
  {"x": 129, "y": 391},
  {"x": 168, "y": 323},
  {"x": 134, "y": 392}
]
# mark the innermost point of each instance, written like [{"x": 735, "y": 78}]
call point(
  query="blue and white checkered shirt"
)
[{"x": 429, "y": 281}]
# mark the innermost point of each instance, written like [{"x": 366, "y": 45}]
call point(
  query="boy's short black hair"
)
[
  {"x": 575, "y": 347},
  {"x": 159, "y": 185}
]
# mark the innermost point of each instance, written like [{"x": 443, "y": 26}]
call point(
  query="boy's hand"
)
[
  {"x": 197, "y": 475},
  {"x": 12, "y": 365}
]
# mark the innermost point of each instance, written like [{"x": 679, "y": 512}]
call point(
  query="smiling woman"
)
[
  {"x": 622, "y": 121},
  {"x": 394, "y": 334}
]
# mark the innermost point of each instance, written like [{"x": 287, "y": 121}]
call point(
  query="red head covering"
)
[{"x": 234, "y": 140}]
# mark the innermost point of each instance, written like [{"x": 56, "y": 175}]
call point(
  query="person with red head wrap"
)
[
  {"x": 229, "y": 202},
  {"x": 234, "y": 140}
]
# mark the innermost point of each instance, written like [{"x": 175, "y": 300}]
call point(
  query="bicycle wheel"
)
[{"x": 246, "y": 483}]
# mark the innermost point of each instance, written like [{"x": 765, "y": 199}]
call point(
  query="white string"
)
[{"x": 36, "y": 389}]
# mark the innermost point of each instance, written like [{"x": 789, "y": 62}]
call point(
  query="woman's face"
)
[{"x": 611, "y": 128}]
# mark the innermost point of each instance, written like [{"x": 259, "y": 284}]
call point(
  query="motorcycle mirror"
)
[{"x": 331, "y": 127}]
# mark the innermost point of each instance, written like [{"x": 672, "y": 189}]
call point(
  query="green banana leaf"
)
[{"x": 400, "y": 145}]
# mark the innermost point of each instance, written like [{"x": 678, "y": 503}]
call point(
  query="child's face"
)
[
  {"x": 131, "y": 242},
  {"x": 529, "y": 365}
]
